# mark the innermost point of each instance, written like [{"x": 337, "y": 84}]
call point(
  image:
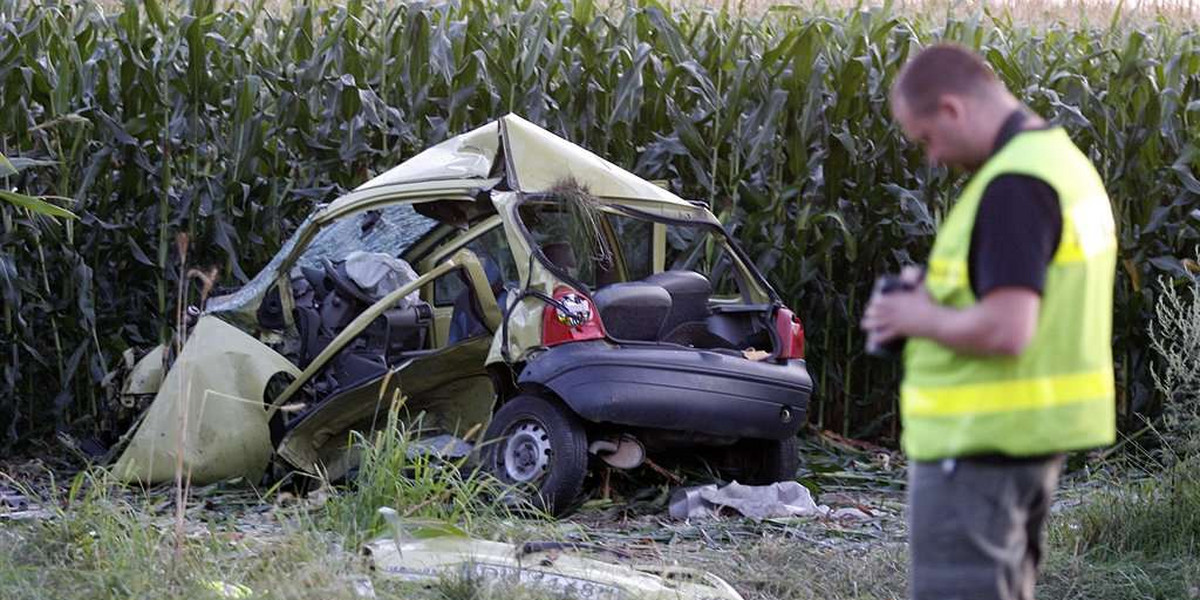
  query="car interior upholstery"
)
[{"x": 326, "y": 301}]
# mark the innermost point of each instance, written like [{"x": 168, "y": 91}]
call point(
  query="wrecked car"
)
[{"x": 507, "y": 282}]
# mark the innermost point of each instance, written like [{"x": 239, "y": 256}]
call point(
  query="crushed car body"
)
[
  {"x": 554, "y": 568},
  {"x": 505, "y": 281}
]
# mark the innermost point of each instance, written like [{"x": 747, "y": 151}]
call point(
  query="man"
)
[{"x": 1009, "y": 362}]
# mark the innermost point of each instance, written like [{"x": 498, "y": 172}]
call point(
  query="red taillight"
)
[
  {"x": 578, "y": 322},
  {"x": 791, "y": 334}
]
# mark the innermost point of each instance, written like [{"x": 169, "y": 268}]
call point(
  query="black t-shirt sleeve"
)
[{"x": 1017, "y": 230}]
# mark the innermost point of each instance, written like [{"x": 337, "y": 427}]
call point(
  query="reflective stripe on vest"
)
[
  {"x": 1001, "y": 396},
  {"x": 1057, "y": 395}
]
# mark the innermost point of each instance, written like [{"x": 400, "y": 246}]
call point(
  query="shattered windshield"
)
[{"x": 390, "y": 230}]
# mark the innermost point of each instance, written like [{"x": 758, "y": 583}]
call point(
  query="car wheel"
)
[
  {"x": 541, "y": 445},
  {"x": 763, "y": 462}
]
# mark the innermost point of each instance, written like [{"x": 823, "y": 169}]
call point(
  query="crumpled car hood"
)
[{"x": 209, "y": 411}]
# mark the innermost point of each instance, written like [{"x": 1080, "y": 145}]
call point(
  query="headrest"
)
[{"x": 561, "y": 254}]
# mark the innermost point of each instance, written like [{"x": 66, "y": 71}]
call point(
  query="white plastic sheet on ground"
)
[{"x": 757, "y": 502}]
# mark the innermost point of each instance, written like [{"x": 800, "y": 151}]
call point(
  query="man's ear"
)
[{"x": 951, "y": 107}]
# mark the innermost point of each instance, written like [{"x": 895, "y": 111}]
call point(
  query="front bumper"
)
[{"x": 675, "y": 388}]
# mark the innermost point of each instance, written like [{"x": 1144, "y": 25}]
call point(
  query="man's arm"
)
[
  {"x": 1000, "y": 324},
  {"x": 1017, "y": 230}
]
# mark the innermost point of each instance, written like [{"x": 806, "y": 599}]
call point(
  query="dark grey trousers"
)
[{"x": 975, "y": 526}]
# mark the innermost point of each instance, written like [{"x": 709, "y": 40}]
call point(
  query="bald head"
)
[
  {"x": 951, "y": 103},
  {"x": 940, "y": 70}
]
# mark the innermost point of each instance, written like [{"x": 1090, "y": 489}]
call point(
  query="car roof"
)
[{"x": 533, "y": 160}]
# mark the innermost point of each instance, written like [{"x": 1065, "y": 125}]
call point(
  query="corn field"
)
[{"x": 231, "y": 122}]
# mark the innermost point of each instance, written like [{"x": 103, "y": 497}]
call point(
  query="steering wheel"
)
[{"x": 343, "y": 283}]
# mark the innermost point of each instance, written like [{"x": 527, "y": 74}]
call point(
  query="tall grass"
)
[
  {"x": 228, "y": 122},
  {"x": 1134, "y": 536},
  {"x": 105, "y": 541},
  {"x": 1157, "y": 517},
  {"x": 1175, "y": 340},
  {"x": 426, "y": 492},
  {"x": 101, "y": 538}
]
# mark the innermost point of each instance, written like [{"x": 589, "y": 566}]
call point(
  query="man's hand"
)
[
  {"x": 1001, "y": 324},
  {"x": 901, "y": 314}
]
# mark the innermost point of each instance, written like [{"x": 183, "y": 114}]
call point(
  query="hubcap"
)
[{"x": 526, "y": 452}]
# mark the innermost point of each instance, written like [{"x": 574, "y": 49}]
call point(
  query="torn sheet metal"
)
[
  {"x": 448, "y": 390},
  {"x": 535, "y": 161},
  {"x": 524, "y": 317},
  {"x": 550, "y": 566},
  {"x": 538, "y": 160},
  {"x": 220, "y": 377},
  {"x": 758, "y": 502},
  {"x": 146, "y": 375},
  {"x": 469, "y": 155}
]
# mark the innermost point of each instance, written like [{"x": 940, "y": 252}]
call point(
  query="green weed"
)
[
  {"x": 425, "y": 491},
  {"x": 1156, "y": 517},
  {"x": 106, "y": 540},
  {"x": 1130, "y": 539}
]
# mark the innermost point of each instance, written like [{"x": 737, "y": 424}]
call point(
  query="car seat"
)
[
  {"x": 327, "y": 300},
  {"x": 633, "y": 311},
  {"x": 466, "y": 320},
  {"x": 689, "y": 292},
  {"x": 561, "y": 255}
]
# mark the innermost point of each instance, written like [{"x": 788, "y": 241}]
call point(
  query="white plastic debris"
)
[
  {"x": 379, "y": 274},
  {"x": 362, "y": 587},
  {"x": 758, "y": 502},
  {"x": 561, "y": 569},
  {"x": 15, "y": 506},
  {"x": 225, "y": 589}
]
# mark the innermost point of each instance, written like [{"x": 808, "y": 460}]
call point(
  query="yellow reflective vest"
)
[{"x": 1058, "y": 394}]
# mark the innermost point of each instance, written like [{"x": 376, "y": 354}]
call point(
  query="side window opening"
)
[
  {"x": 636, "y": 240},
  {"x": 611, "y": 252},
  {"x": 691, "y": 248},
  {"x": 620, "y": 248},
  {"x": 577, "y": 241},
  {"x": 456, "y": 300},
  {"x": 493, "y": 252}
]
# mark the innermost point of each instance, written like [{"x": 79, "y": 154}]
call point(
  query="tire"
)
[
  {"x": 763, "y": 462},
  {"x": 541, "y": 445}
]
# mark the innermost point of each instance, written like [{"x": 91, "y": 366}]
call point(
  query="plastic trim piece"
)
[{"x": 682, "y": 389}]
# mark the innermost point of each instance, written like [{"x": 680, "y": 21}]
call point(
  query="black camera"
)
[{"x": 886, "y": 284}]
